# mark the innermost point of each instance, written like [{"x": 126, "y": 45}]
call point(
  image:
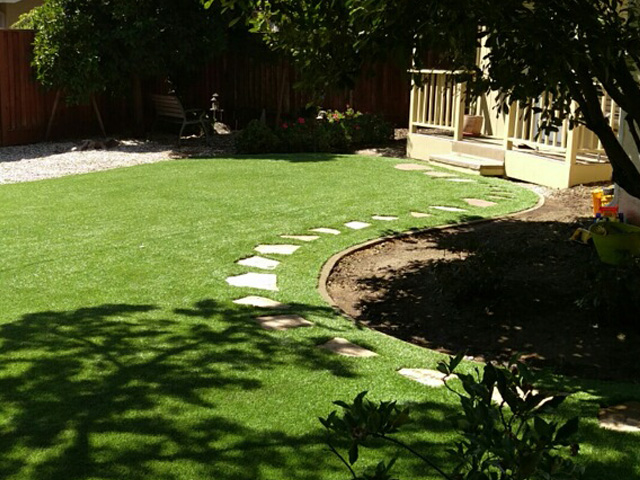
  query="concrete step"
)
[
  {"x": 469, "y": 164},
  {"x": 479, "y": 148}
]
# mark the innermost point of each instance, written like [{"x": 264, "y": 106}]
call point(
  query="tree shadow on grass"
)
[
  {"x": 291, "y": 157},
  {"x": 122, "y": 391}
]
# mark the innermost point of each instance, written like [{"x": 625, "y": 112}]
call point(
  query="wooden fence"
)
[{"x": 247, "y": 83}]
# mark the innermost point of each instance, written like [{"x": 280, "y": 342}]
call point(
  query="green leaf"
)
[
  {"x": 353, "y": 453},
  {"x": 567, "y": 430}
]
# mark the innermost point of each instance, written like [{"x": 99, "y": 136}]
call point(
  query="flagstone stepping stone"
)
[
  {"x": 283, "y": 322},
  {"x": 384, "y": 218},
  {"x": 259, "y": 302},
  {"x": 329, "y": 231},
  {"x": 477, "y": 202},
  {"x": 355, "y": 225},
  {"x": 262, "y": 281},
  {"x": 277, "y": 249},
  {"x": 259, "y": 262},
  {"x": 449, "y": 209},
  {"x": 420, "y": 215},
  {"x": 461, "y": 180},
  {"x": 412, "y": 167},
  {"x": 302, "y": 238},
  {"x": 621, "y": 418},
  {"x": 440, "y": 174},
  {"x": 430, "y": 378},
  {"x": 344, "y": 347}
]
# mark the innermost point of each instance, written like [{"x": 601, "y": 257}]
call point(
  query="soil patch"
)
[{"x": 497, "y": 288}]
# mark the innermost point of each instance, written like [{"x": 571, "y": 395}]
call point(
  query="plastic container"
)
[
  {"x": 616, "y": 243},
  {"x": 601, "y": 197}
]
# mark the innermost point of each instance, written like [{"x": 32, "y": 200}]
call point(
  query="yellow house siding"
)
[{"x": 14, "y": 10}]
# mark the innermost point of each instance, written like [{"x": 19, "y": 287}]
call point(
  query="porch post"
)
[
  {"x": 458, "y": 113},
  {"x": 412, "y": 103},
  {"x": 573, "y": 142},
  {"x": 511, "y": 127}
]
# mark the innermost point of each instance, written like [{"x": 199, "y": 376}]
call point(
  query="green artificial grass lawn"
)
[{"x": 123, "y": 357}]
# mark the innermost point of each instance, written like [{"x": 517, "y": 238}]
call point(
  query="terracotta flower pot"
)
[{"x": 473, "y": 125}]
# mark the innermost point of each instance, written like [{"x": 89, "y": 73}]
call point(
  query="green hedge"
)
[{"x": 329, "y": 131}]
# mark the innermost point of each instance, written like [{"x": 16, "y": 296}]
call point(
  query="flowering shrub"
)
[
  {"x": 330, "y": 131},
  {"x": 257, "y": 138}
]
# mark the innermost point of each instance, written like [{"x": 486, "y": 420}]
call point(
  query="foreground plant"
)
[{"x": 514, "y": 437}]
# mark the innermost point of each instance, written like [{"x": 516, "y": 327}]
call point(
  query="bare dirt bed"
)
[{"x": 497, "y": 288}]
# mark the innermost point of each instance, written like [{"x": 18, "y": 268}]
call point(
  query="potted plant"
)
[{"x": 472, "y": 125}]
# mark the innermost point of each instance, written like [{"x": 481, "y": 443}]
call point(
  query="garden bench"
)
[{"x": 169, "y": 108}]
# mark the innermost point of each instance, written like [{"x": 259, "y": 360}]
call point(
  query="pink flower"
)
[
  {"x": 301, "y": 121},
  {"x": 284, "y": 125}
]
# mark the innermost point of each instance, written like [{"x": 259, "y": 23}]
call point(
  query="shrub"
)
[
  {"x": 508, "y": 440},
  {"x": 361, "y": 129},
  {"x": 257, "y": 138},
  {"x": 331, "y": 131}
]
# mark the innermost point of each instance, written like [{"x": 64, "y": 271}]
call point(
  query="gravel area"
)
[{"x": 38, "y": 161}]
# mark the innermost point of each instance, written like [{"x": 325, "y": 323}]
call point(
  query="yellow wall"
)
[
  {"x": 14, "y": 10},
  {"x": 421, "y": 147}
]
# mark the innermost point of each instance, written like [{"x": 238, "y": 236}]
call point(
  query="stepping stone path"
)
[
  {"x": 477, "y": 202},
  {"x": 440, "y": 174},
  {"x": 329, "y": 231},
  {"x": 355, "y": 225},
  {"x": 261, "y": 281},
  {"x": 449, "y": 209},
  {"x": 621, "y": 418},
  {"x": 408, "y": 167},
  {"x": 302, "y": 238},
  {"x": 259, "y": 302},
  {"x": 259, "y": 262},
  {"x": 283, "y": 322},
  {"x": 344, "y": 347},
  {"x": 277, "y": 249},
  {"x": 461, "y": 180},
  {"x": 268, "y": 281},
  {"x": 420, "y": 215},
  {"x": 430, "y": 378}
]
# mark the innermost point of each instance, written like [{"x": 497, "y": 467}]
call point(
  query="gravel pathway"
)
[{"x": 38, "y": 161}]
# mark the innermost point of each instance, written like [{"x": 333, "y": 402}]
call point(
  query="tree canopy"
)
[
  {"x": 91, "y": 46},
  {"x": 569, "y": 48}
]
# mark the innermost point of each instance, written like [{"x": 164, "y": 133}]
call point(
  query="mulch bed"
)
[{"x": 494, "y": 289}]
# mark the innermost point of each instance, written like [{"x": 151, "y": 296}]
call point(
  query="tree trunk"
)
[{"x": 625, "y": 173}]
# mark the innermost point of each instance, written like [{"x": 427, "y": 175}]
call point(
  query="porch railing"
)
[
  {"x": 522, "y": 129},
  {"x": 438, "y": 103}
]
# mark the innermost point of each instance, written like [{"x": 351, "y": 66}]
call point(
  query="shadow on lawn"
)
[
  {"x": 114, "y": 392},
  {"x": 117, "y": 391},
  {"x": 292, "y": 157}
]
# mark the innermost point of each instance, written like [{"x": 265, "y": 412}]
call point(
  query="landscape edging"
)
[{"x": 330, "y": 264}]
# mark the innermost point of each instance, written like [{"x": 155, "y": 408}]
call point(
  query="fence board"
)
[{"x": 246, "y": 81}]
